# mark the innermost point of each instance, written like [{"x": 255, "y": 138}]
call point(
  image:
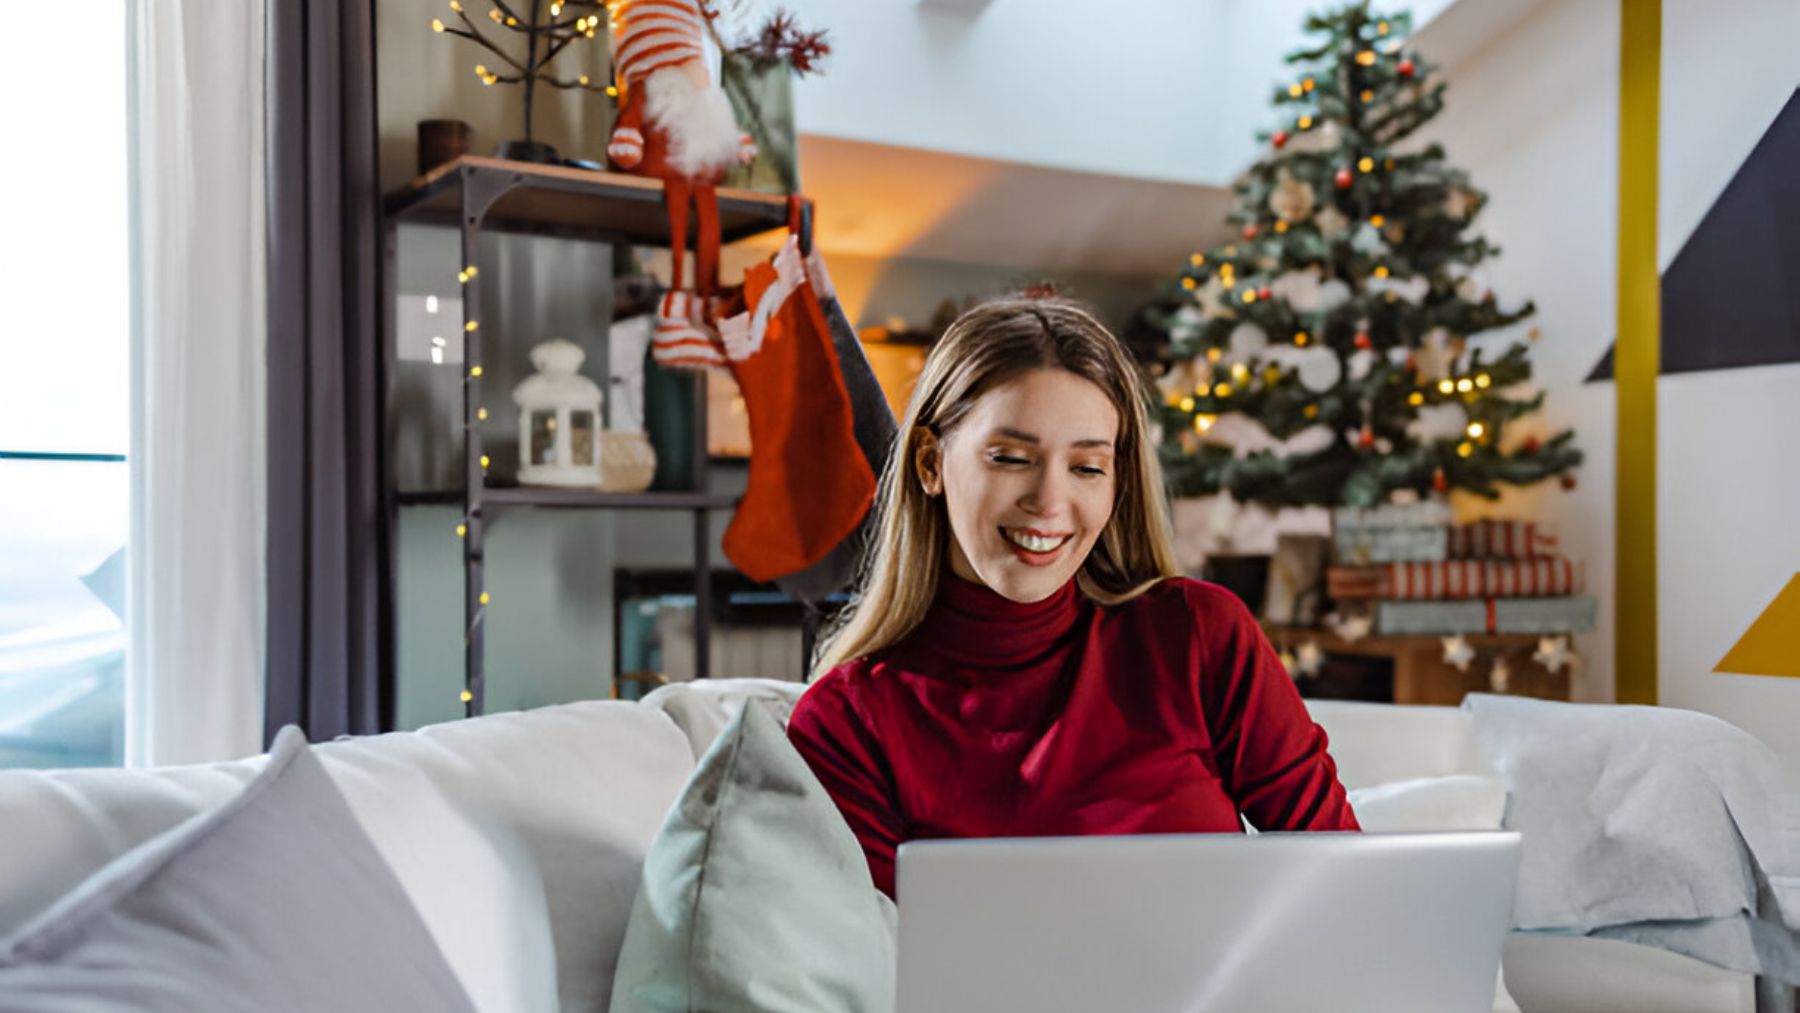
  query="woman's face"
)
[{"x": 1027, "y": 479}]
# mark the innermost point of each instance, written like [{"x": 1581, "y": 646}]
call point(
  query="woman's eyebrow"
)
[{"x": 1025, "y": 437}]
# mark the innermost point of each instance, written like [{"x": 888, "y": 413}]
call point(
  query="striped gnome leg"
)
[{"x": 684, "y": 337}]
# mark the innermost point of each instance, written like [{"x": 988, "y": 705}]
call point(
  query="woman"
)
[{"x": 1023, "y": 658}]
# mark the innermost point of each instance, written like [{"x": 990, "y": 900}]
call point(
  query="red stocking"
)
[{"x": 809, "y": 484}]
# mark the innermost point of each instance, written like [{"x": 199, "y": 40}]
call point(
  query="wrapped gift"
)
[
  {"x": 1393, "y": 533},
  {"x": 1457, "y": 578},
  {"x": 1561, "y": 614},
  {"x": 1501, "y": 540}
]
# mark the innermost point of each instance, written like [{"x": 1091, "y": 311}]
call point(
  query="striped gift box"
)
[
  {"x": 1501, "y": 540},
  {"x": 1457, "y": 579}
]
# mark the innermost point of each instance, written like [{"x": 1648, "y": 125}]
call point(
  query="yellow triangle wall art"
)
[{"x": 1771, "y": 646}]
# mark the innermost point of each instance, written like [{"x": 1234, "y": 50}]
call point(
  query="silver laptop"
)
[{"x": 1200, "y": 923}]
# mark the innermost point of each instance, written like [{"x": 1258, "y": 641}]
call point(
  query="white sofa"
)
[{"x": 520, "y": 837}]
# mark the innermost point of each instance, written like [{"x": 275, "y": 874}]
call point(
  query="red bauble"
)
[
  {"x": 1531, "y": 445},
  {"x": 1568, "y": 481},
  {"x": 1343, "y": 179},
  {"x": 1412, "y": 364},
  {"x": 1438, "y": 481},
  {"x": 1366, "y": 438},
  {"x": 1362, "y": 340},
  {"x": 1264, "y": 292},
  {"x": 1406, "y": 67},
  {"x": 1250, "y": 231},
  {"x": 1280, "y": 138}
]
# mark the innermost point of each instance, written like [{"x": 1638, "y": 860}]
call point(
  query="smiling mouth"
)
[{"x": 1034, "y": 542}]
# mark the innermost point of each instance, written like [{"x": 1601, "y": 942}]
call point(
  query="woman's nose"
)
[{"x": 1048, "y": 494}]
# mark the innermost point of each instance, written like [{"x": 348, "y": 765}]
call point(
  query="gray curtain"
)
[{"x": 328, "y": 643}]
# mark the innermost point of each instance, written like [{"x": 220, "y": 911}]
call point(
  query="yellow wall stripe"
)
[{"x": 1638, "y": 354}]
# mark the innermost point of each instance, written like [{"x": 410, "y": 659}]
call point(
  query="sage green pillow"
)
[{"x": 755, "y": 894}]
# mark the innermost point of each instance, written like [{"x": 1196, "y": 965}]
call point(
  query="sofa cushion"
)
[
  {"x": 1380, "y": 743},
  {"x": 703, "y": 709},
  {"x": 543, "y": 815},
  {"x": 1451, "y": 802},
  {"x": 756, "y": 896},
  {"x": 276, "y": 900}
]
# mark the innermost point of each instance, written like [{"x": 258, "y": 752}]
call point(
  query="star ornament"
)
[
  {"x": 1554, "y": 653},
  {"x": 1354, "y": 628},
  {"x": 1309, "y": 658},
  {"x": 1458, "y": 652}
]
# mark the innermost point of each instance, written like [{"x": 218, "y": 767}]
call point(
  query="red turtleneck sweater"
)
[{"x": 1165, "y": 714}]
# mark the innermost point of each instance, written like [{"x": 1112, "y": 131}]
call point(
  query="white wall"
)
[
  {"x": 1533, "y": 113},
  {"x": 1726, "y": 538}
]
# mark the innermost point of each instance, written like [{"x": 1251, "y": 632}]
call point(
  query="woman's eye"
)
[
  {"x": 1089, "y": 471},
  {"x": 1008, "y": 459}
]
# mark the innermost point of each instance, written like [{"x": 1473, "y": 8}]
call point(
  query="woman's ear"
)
[{"x": 928, "y": 461}]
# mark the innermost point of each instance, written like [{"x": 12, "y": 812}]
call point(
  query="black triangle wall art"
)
[{"x": 1731, "y": 298}]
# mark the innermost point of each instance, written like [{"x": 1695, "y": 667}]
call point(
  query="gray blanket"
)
[{"x": 1652, "y": 825}]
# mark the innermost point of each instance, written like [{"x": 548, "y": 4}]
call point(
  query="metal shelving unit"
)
[{"x": 477, "y": 195}]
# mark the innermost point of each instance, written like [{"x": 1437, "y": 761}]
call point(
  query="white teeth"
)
[{"x": 1034, "y": 543}]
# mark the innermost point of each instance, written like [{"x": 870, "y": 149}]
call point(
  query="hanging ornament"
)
[
  {"x": 1436, "y": 355},
  {"x": 1246, "y": 342},
  {"x": 1406, "y": 68},
  {"x": 1458, "y": 652},
  {"x": 1460, "y": 203},
  {"x": 1568, "y": 482},
  {"x": 1264, "y": 292},
  {"x": 1366, "y": 438},
  {"x": 1280, "y": 138},
  {"x": 1319, "y": 369},
  {"x": 1554, "y": 654},
  {"x": 1332, "y": 294},
  {"x": 1291, "y": 199},
  {"x": 1309, "y": 658},
  {"x": 1352, "y": 628},
  {"x": 1362, "y": 340},
  {"x": 1438, "y": 480},
  {"x": 1360, "y": 364},
  {"x": 1344, "y": 178},
  {"x": 1250, "y": 231},
  {"x": 1299, "y": 289},
  {"x": 1531, "y": 445},
  {"x": 1333, "y": 224},
  {"x": 1500, "y": 676}
]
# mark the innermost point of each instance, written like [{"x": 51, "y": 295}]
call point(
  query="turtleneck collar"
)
[{"x": 971, "y": 623}]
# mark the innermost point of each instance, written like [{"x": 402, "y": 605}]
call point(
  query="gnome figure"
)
[{"x": 676, "y": 124}]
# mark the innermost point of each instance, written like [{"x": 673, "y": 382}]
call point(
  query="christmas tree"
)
[{"x": 1323, "y": 358}]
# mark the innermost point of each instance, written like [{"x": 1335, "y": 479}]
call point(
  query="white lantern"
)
[{"x": 559, "y": 419}]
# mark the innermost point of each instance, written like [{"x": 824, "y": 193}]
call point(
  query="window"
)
[{"x": 64, "y": 406}]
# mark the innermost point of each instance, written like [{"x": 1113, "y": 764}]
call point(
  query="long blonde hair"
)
[{"x": 987, "y": 347}]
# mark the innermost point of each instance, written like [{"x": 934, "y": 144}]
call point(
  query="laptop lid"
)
[{"x": 1197, "y": 923}]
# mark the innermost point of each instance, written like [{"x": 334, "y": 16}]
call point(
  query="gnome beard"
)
[{"x": 704, "y": 137}]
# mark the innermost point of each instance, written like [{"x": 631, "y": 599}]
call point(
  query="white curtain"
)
[{"x": 194, "y": 670}]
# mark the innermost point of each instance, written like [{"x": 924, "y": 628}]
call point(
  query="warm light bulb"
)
[
  {"x": 1367, "y": 96},
  {"x": 484, "y": 461},
  {"x": 471, "y": 271},
  {"x": 471, "y": 325},
  {"x": 612, "y": 91},
  {"x": 1446, "y": 386},
  {"x": 1475, "y": 430},
  {"x": 494, "y": 16},
  {"x": 462, "y": 531},
  {"x": 1240, "y": 372},
  {"x": 1311, "y": 411},
  {"x": 583, "y": 79},
  {"x": 467, "y": 696},
  {"x": 555, "y": 10},
  {"x": 1305, "y": 123},
  {"x": 1187, "y": 404},
  {"x": 484, "y": 598},
  {"x": 1196, "y": 259},
  {"x": 436, "y": 25},
  {"x": 1415, "y": 399},
  {"x": 1189, "y": 284},
  {"x": 1464, "y": 449},
  {"x": 1295, "y": 90},
  {"x": 1465, "y": 385},
  {"x": 455, "y": 6},
  {"x": 1381, "y": 270},
  {"x": 1222, "y": 390},
  {"x": 481, "y": 414},
  {"x": 474, "y": 370},
  {"x": 1203, "y": 390},
  {"x": 1249, "y": 295},
  {"x": 1382, "y": 28},
  {"x": 1377, "y": 220},
  {"x": 1483, "y": 381},
  {"x": 1281, "y": 226},
  {"x": 1307, "y": 84},
  {"x": 1204, "y": 422},
  {"x": 512, "y": 22},
  {"x": 1213, "y": 354},
  {"x": 1366, "y": 58},
  {"x": 1365, "y": 163},
  {"x": 481, "y": 70},
  {"x": 1301, "y": 338}
]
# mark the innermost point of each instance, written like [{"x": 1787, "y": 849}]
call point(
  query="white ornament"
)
[
  {"x": 1436, "y": 356},
  {"x": 1247, "y": 339},
  {"x": 1446, "y": 421},
  {"x": 1413, "y": 289},
  {"x": 1554, "y": 654},
  {"x": 1309, "y": 658},
  {"x": 1320, "y": 370},
  {"x": 1333, "y": 294},
  {"x": 1361, "y": 361},
  {"x": 1500, "y": 676},
  {"x": 1354, "y": 628},
  {"x": 1457, "y": 652},
  {"x": 1461, "y": 202},
  {"x": 1368, "y": 240},
  {"x": 1301, "y": 290},
  {"x": 1210, "y": 297}
]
